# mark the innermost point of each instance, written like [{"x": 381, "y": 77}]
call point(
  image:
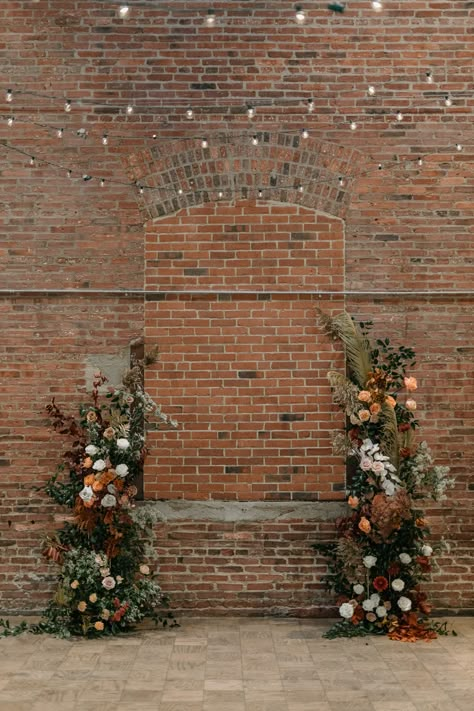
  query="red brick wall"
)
[{"x": 407, "y": 227}]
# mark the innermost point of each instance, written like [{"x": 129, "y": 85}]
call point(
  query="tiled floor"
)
[{"x": 238, "y": 664}]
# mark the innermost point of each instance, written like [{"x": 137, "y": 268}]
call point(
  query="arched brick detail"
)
[{"x": 279, "y": 165}]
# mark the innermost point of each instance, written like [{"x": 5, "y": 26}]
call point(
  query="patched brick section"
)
[{"x": 240, "y": 364}]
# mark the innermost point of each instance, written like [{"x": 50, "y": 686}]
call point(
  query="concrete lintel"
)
[{"x": 179, "y": 510}]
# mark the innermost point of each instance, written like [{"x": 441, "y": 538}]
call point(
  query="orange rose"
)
[
  {"x": 375, "y": 408},
  {"x": 89, "y": 480},
  {"x": 89, "y": 504},
  {"x": 97, "y": 486},
  {"x": 363, "y": 415},
  {"x": 99, "y": 626},
  {"x": 82, "y": 606},
  {"x": 87, "y": 463},
  {"x": 420, "y": 523},
  {"x": 390, "y": 401},
  {"x": 353, "y": 502},
  {"x": 364, "y": 525},
  {"x": 410, "y": 384},
  {"x": 364, "y": 396}
]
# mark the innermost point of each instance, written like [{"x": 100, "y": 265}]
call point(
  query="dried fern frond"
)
[
  {"x": 344, "y": 392},
  {"x": 389, "y": 437},
  {"x": 342, "y": 445},
  {"x": 357, "y": 347}
]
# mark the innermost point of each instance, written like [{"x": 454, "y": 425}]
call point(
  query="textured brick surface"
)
[{"x": 406, "y": 227}]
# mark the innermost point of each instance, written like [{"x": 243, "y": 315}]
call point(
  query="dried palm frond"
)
[
  {"x": 389, "y": 437},
  {"x": 342, "y": 444},
  {"x": 357, "y": 347},
  {"x": 344, "y": 392}
]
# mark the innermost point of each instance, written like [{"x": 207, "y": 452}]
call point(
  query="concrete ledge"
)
[{"x": 180, "y": 510}]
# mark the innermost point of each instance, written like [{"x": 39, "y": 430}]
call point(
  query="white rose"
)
[
  {"x": 369, "y": 561},
  {"x": 108, "y": 501},
  {"x": 104, "y": 572},
  {"x": 389, "y": 487},
  {"x": 378, "y": 468},
  {"x": 121, "y": 470},
  {"x": 112, "y": 489},
  {"x": 368, "y": 605},
  {"x": 346, "y": 610},
  {"x": 375, "y": 597},
  {"x": 91, "y": 449},
  {"x": 144, "y": 569},
  {"x": 381, "y": 611},
  {"x": 404, "y": 603},
  {"x": 398, "y": 584},
  {"x": 86, "y": 494},
  {"x": 358, "y": 589},
  {"x": 365, "y": 464},
  {"x": 427, "y": 550},
  {"x": 405, "y": 558},
  {"x": 108, "y": 583},
  {"x": 123, "y": 443},
  {"x": 99, "y": 465}
]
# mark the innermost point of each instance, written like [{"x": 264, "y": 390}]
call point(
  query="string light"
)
[
  {"x": 102, "y": 182},
  {"x": 255, "y": 140},
  {"x": 260, "y": 192},
  {"x": 304, "y": 133},
  {"x": 32, "y": 160},
  {"x": 180, "y": 191},
  {"x": 420, "y": 161},
  {"x": 310, "y": 106},
  {"x": 123, "y": 11},
  {"x": 300, "y": 188},
  {"x": 377, "y": 5},
  {"x": 220, "y": 194},
  {"x": 399, "y": 116},
  {"x": 204, "y": 143},
  {"x": 69, "y": 173},
  {"x": 380, "y": 166},
  {"x": 211, "y": 18},
  {"x": 67, "y": 106},
  {"x": 300, "y": 16},
  {"x": 154, "y": 136},
  {"x": 189, "y": 114},
  {"x": 86, "y": 177},
  {"x": 448, "y": 101},
  {"x": 129, "y": 109},
  {"x": 82, "y": 133},
  {"x": 10, "y": 120},
  {"x": 250, "y": 111},
  {"x": 105, "y": 140},
  {"x": 371, "y": 90},
  {"x": 9, "y": 96},
  {"x": 60, "y": 132},
  {"x": 429, "y": 77},
  {"x": 341, "y": 181},
  {"x": 141, "y": 189},
  {"x": 459, "y": 146},
  {"x": 353, "y": 125}
]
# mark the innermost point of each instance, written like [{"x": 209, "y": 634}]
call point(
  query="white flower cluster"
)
[
  {"x": 428, "y": 476},
  {"x": 372, "y": 460}
]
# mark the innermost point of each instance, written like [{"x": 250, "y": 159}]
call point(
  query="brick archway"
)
[{"x": 182, "y": 174}]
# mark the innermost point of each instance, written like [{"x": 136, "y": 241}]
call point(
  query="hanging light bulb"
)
[
  {"x": 304, "y": 133},
  {"x": 377, "y": 5},
  {"x": 371, "y": 90},
  {"x": 129, "y": 109},
  {"x": 260, "y": 192},
  {"x": 86, "y": 177},
  {"x": 210, "y": 18},
  {"x": 204, "y": 143},
  {"x": 310, "y": 106},
  {"x": 10, "y": 120},
  {"x": 60, "y": 132},
  {"x": 102, "y": 182},
  {"x": 154, "y": 136},
  {"x": 189, "y": 113},
  {"x": 255, "y": 140},
  {"x": 353, "y": 125},
  {"x": 9, "y": 96},
  {"x": 459, "y": 147},
  {"x": 32, "y": 160},
  {"x": 380, "y": 166},
  {"x": 341, "y": 182},
  {"x": 180, "y": 191},
  {"x": 250, "y": 111},
  {"x": 429, "y": 77},
  {"x": 448, "y": 101},
  {"x": 69, "y": 173},
  {"x": 300, "y": 16},
  {"x": 67, "y": 106},
  {"x": 300, "y": 188},
  {"x": 105, "y": 140},
  {"x": 399, "y": 116},
  {"x": 123, "y": 11},
  {"x": 420, "y": 161},
  {"x": 141, "y": 189},
  {"x": 220, "y": 194}
]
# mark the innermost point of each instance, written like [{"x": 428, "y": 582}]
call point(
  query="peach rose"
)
[
  {"x": 353, "y": 502},
  {"x": 93, "y": 597},
  {"x": 364, "y": 525},
  {"x": 82, "y": 606},
  {"x": 91, "y": 416},
  {"x": 410, "y": 405},
  {"x": 144, "y": 569},
  {"x": 99, "y": 626},
  {"x": 375, "y": 408},
  {"x": 89, "y": 480},
  {"x": 109, "y": 433},
  {"x": 390, "y": 401},
  {"x": 363, "y": 415},
  {"x": 364, "y": 396},
  {"x": 75, "y": 584},
  {"x": 87, "y": 463},
  {"x": 105, "y": 614},
  {"x": 410, "y": 384}
]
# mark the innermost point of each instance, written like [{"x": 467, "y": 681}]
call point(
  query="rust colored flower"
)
[
  {"x": 375, "y": 408},
  {"x": 380, "y": 583},
  {"x": 394, "y": 569},
  {"x": 91, "y": 416},
  {"x": 364, "y": 525},
  {"x": 353, "y": 502},
  {"x": 358, "y": 615},
  {"x": 421, "y": 523},
  {"x": 89, "y": 480},
  {"x": 87, "y": 463},
  {"x": 364, "y": 396},
  {"x": 404, "y": 427},
  {"x": 99, "y": 626},
  {"x": 424, "y": 563},
  {"x": 410, "y": 384},
  {"x": 97, "y": 486},
  {"x": 390, "y": 401},
  {"x": 89, "y": 504},
  {"x": 405, "y": 452}
]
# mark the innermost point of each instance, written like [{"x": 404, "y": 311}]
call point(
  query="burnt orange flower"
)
[
  {"x": 87, "y": 463},
  {"x": 375, "y": 408},
  {"x": 364, "y": 525},
  {"x": 353, "y": 502},
  {"x": 390, "y": 401},
  {"x": 380, "y": 583},
  {"x": 89, "y": 480},
  {"x": 97, "y": 486},
  {"x": 420, "y": 523}
]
